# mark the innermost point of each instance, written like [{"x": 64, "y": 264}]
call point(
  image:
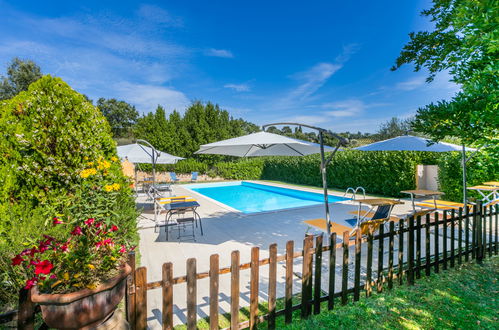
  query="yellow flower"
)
[
  {"x": 108, "y": 187},
  {"x": 114, "y": 159},
  {"x": 92, "y": 286},
  {"x": 88, "y": 172},
  {"x": 91, "y": 266},
  {"x": 103, "y": 165},
  {"x": 77, "y": 285},
  {"x": 76, "y": 275},
  {"x": 66, "y": 276},
  {"x": 116, "y": 186},
  {"x": 90, "y": 163}
]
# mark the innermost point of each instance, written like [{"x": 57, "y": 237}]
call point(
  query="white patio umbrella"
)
[
  {"x": 262, "y": 144},
  {"x": 143, "y": 152},
  {"x": 415, "y": 143},
  {"x": 269, "y": 144}
]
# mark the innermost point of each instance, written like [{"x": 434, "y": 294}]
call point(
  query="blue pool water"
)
[{"x": 249, "y": 197}]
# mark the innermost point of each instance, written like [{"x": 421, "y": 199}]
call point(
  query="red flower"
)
[
  {"x": 43, "y": 267},
  {"x": 31, "y": 283},
  {"x": 56, "y": 221},
  {"x": 32, "y": 251},
  {"x": 98, "y": 225},
  {"x": 77, "y": 231},
  {"x": 113, "y": 228},
  {"x": 53, "y": 277},
  {"x": 17, "y": 260},
  {"x": 64, "y": 247},
  {"x": 123, "y": 249},
  {"x": 104, "y": 243},
  {"x": 89, "y": 221}
]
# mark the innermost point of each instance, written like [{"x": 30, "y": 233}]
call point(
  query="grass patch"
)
[{"x": 461, "y": 298}]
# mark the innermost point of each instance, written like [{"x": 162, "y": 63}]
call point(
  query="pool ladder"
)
[{"x": 354, "y": 192}]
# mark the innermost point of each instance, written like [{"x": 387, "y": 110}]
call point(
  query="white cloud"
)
[
  {"x": 346, "y": 108},
  {"x": 219, "y": 53},
  {"x": 157, "y": 14},
  {"x": 411, "y": 84},
  {"x": 147, "y": 97},
  {"x": 238, "y": 87}
]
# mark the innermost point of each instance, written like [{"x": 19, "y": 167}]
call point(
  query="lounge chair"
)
[
  {"x": 194, "y": 176},
  {"x": 173, "y": 177}
]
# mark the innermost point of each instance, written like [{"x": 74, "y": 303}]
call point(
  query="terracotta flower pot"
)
[{"x": 83, "y": 309}]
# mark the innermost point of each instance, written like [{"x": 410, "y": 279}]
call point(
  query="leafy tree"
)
[
  {"x": 464, "y": 42},
  {"x": 120, "y": 115},
  {"x": 394, "y": 127},
  {"x": 154, "y": 128},
  {"x": 20, "y": 74}
]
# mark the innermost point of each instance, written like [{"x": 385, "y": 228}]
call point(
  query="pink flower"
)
[
  {"x": 17, "y": 260},
  {"x": 56, "y": 221},
  {"x": 105, "y": 242},
  {"x": 113, "y": 228},
  {"x": 30, "y": 283},
  {"x": 43, "y": 267},
  {"x": 123, "y": 249},
  {"x": 53, "y": 277},
  {"x": 77, "y": 231},
  {"x": 89, "y": 221}
]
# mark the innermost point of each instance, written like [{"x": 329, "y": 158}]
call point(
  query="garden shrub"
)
[
  {"x": 244, "y": 169},
  {"x": 482, "y": 167},
  {"x": 57, "y": 159}
]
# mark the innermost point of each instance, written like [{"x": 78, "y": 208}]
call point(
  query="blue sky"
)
[{"x": 325, "y": 63}]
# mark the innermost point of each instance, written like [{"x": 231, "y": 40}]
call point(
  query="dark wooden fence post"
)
[
  {"x": 306, "y": 294},
  {"x": 167, "y": 296},
  {"x": 318, "y": 274},
  {"x": 344, "y": 277},
  {"x": 369, "y": 264},
  {"x": 141, "y": 297},
  {"x": 418, "y": 246},
  {"x": 427, "y": 246},
  {"x": 332, "y": 270},
  {"x": 410, "y": 253},
  {"x": 272, "y": 284},
  {"x": 191, "y": 294},
  {"x": 474, "y": 228},
  {"x": 390, "y": 255},
  {"x": 254, "y": 278},
  {"x": 460, "y": 237},
  {"x": 479, "y": 235},
  {"x": 358, "y": 249},
  {"x": 401, "y": 252},
  {"x": 130, "y": 292},
  {"x": 26, "y": 311},
  {"x": 490, "y": 231},
  {"x": 234, "y": 291},
  {"x": 435, "y": 248},
  {"x": 381, "y": 241},
  {"x": 452, "y": 238},
  {"x": 288, "y": 314},
  {"x": 444, "y": 240},
  {"x": 214, "y": 268}
]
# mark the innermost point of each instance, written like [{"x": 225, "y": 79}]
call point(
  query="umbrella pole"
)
[
  {"x": 465, "y": 199},
  {"x": 324, "y": 184}
]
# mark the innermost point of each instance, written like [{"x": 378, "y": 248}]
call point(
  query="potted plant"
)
[{"x": 79, "y": 280}]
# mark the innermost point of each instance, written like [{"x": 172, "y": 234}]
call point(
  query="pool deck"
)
[{"x": 226, "y": 231}]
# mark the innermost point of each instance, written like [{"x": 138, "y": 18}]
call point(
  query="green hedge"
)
[
  {"x": 245, "y": 169},
  {"x": 184, "y": 166},
  {"x": 379, "y": 172},
  {"x": 57, "y": 159},
  {"x": 482, "y": 167}
]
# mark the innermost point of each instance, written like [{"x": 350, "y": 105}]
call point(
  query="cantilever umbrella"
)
[
  {"x": 261, "y": 144},
  {"x": 144, "y": 153},
  {"x": 414, "y": 143}
]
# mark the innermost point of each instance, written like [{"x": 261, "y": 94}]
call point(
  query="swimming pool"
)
[{"x": 249, "y": 197}]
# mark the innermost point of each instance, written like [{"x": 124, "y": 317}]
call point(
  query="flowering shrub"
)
[
  {"x": 57, "y": 158},
  {"x": 83, "y": 259}
]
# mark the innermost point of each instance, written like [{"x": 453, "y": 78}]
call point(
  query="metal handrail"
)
[
  {"x": 353, "y": 192},
  {"x": 363, "y": 191}
]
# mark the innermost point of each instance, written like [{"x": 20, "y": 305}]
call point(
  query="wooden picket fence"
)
[{"x": 477, "y": 236}]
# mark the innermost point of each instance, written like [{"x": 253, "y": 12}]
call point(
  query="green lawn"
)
[{"x": 462, "y": 298}]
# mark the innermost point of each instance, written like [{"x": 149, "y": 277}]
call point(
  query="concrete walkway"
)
[{"x": 226, "y": 231}]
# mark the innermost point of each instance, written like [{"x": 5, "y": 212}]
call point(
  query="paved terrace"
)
[{"x": 226, "y": 231}]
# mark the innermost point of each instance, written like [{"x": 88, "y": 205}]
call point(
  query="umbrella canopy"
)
[
  {"x": 411, "y": 143},
  {"x": 138, "y": 153},
  {"x": 262, "y": 144}
]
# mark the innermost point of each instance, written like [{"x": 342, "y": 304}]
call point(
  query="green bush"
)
[
  {"x": 184, "y": 166},
  {"x": 244, "y": 169},
  {"x": 379, "y": 172},
  {"x": 57, "y": 159},
  {"x": 482, "y": 167}
]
